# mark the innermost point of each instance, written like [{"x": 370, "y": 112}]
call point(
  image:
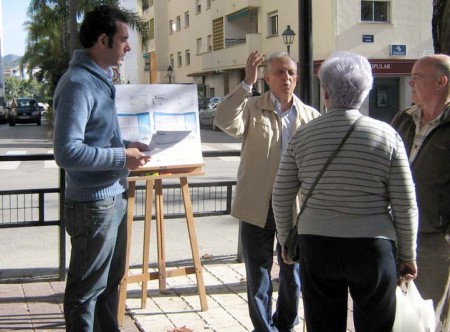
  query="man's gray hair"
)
[
  {"x": 274, "y": 56},
  {"x": 347, "y": 78},
  {"x": 442, "y": 64}
]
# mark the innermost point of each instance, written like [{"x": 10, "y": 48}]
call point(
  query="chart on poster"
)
[{"x": 164, "y": 116}]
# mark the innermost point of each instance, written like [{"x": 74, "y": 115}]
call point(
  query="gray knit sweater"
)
[
  {"x": 87, "y": 139},
  {"x": 366, "y": 192}
]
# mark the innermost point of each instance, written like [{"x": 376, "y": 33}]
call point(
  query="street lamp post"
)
[
  {"x": 288, "y": 38},
  {"x": 170, "y": 73},
  {"x": 305, "y": 47}
]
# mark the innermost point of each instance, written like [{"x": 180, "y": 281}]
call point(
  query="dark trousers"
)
[
  {"x": 257, "y": 250},
  {"x": 331, "y": 267},
  {"x": 98, "y": 236}
]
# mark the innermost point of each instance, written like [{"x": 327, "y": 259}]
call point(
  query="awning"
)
[
  {"x": 241, "y": 13},
  {"x": 201, "y": 73}
]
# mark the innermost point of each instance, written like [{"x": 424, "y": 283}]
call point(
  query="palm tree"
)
[
  {"x": 53, "y": 34},
  {"x": 77, "y": 8},
  {"x": 47, "y": 42}
]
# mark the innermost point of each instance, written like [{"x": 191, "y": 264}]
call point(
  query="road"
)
[
  {"x": 32, "y": 139},
  {"x": 33, "y": 251}
]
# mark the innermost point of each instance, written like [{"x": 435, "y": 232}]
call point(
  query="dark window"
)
[
  {"x": 374, "y": 11},
  {"x": 273, "y": 25}
]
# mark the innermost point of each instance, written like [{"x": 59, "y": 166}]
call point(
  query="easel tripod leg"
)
[
  {"x": 160, "y": 235},
  {"x": 124, "y": 282},
  {"x": 193, "y": 241}
]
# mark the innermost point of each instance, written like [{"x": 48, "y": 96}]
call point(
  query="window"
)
[
  {"x": 179, "y": 60},
  {"x": 171, "y": 27},
  {"x": 272, "y": 24},
  {"x": 178, "y": 24},
  {"x": 187, "y": 57},
  {"x": 172, "y": 64},
  {"x": 186, "y": 19},
  {"x": 375, "y": 11},
  {"x": 198, "y": 6},
  {"x": 199, "y": 45},
  {"x": 209, "y": 43},
  {"x": 208, "y": 4},
  {"x": 151, "y": 29}
]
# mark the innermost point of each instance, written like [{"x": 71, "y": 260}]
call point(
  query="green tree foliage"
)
[
  {"x": 12, "y": 87},
  {"x": 16, "y": 87},
  {"x": 53, "y": 35}
]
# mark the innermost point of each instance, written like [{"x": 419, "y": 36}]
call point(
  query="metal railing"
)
[
  {"x": 27, "y": 207},
  {"x": 229, "y": 42}
]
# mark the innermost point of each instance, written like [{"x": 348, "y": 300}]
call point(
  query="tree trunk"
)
[
  {"x": 73, "y": 26},
  {"x": 441, "y": 26}
]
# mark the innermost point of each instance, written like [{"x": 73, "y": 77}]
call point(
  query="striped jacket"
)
[{"x": 366, "y": 192}]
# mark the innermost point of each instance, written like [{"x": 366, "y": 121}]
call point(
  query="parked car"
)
[
  {"x": 2, "y": 114},
  {"x": 24, "y": 110},
  {"x": 202, "y": 103},
  {"x": 207, "y": 115}
]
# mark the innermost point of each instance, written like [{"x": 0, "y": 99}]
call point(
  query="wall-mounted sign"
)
[
  {"x": 397, "y": 49},
  {"x": 367, "y": 38},
  {"x": 381, "y": 67}
]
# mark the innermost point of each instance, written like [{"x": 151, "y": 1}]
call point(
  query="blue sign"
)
[
  {"x": 397, "y": 49},
  {"x": 367, "y": 38}
]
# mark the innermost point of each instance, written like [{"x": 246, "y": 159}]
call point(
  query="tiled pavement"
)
[{"x": 37, "y": 306}]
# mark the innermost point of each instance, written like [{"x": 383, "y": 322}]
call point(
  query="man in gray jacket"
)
[{"x": 265, "y": 123}]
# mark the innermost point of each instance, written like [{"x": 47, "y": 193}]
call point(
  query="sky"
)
[{"x": 14, "y": 34}]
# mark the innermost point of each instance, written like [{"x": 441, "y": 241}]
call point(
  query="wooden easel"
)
[{"x": 153, "y": 180}]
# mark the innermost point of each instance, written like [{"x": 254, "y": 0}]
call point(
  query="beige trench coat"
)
[{"x": 258, "y": 124}]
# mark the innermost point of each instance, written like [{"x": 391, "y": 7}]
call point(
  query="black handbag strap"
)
[{"x": 324, "y": 168}]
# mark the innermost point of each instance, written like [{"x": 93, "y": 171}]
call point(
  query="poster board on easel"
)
[{"x": 165, "y": 116}]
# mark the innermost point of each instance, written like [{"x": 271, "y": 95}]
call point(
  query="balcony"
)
[
  {"x": 232, "y": 6},
  {"x": 234, "y": 41},
  {"x": 233, "y": 56}
]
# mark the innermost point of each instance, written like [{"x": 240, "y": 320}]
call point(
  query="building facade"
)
[{"x": 206, "y": 42}]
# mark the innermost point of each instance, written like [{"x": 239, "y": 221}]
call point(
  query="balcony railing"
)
[{"x": 234, "y": 41}]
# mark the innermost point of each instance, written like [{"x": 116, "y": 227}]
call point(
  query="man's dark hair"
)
[{"x": 101, "y": 20}]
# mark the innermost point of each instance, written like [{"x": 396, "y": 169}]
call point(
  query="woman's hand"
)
[
  {"x": 286, "y": 260},
  {"x": 407, "y": 271}
]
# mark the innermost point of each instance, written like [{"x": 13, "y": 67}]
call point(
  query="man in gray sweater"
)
[{"x": 89, "y": 146}]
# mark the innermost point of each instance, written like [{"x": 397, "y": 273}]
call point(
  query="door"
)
[{"x": 383, "y": 98}]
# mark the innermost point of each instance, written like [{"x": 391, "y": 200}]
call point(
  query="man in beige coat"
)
[{"x": 265, "y": 124}]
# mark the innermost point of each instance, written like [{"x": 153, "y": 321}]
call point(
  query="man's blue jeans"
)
[
  {"x": 98, "y": 234},
  {"x": 257, "y": 250}
]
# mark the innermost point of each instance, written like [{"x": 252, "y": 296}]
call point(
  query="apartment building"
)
[{"x": 206, "y": 42}]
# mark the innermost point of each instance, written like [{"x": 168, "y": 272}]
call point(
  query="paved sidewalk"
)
[{"x": 37, "y": 306}]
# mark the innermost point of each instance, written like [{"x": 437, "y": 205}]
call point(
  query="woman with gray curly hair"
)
[{"x": 359, "y": 225}]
